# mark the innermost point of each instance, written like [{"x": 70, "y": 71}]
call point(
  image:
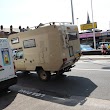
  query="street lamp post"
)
[
  {"x": 77, "y": 22},
  {"x": 93, "y": 27},
  {"x": 72, "y": 12},
  {"x": 109, "y": 25}
]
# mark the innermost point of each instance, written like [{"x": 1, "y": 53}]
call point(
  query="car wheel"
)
[{"x": 44, "y": 75}]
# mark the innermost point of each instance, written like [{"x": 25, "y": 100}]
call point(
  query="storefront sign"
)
[{"x": 88, "y": 26}]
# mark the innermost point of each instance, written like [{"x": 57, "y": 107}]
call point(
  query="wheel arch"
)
[{"x": 38, "y": 68}]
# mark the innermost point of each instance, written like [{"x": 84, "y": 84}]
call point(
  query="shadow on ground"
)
[
  {"x": 71, "y": 90},
  {"x": 6, "y": 98}
]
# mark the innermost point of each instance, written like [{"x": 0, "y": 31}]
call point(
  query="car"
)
[
  {"x": 86, "y": 47},
  {"x": 105, "y": 43}
]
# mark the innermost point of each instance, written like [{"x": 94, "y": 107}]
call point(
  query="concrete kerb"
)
[{"x": 95, "y": 57}]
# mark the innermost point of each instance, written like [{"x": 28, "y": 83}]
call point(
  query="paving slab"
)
[{"x": 24, "y": 102}]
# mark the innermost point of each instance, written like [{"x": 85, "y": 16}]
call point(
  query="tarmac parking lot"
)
[{"x": 87, "y": 85}]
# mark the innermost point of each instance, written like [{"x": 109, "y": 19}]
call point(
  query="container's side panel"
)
[{"x": 55, "y": 53}]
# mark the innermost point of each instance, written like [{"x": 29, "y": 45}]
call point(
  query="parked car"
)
[
  {"x": 85, "y": 47},
  {"x": 105, "y": 43}
]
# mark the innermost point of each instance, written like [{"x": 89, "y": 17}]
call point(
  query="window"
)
[
  {"x": 29, "y": 43},
  {"x": 14, "y": 51},
  {"x": 73, "y": 36},
  {"x": 15, "y": 40},
  {"x": 18, "y": 53}
]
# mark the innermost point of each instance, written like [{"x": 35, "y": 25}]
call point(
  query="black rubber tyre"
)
[
  {"x": 26, "y": 72},
  {"x": 44, "y": 75}
]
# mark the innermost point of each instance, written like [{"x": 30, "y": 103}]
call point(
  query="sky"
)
[{"x": 33, "y": 12}]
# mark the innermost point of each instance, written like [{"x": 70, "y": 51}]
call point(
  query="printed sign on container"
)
[{"x": 5, "y": 56}]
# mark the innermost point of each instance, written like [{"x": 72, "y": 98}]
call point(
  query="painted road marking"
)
[
  {"x": 97, "y": 61},
  {"x": 36, "y": 94},
  {"x": 86, "y": 69}
]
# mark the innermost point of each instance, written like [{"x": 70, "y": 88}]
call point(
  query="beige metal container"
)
[{"x": 51, "y": 48}]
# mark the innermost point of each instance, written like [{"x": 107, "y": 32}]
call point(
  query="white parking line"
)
[
  {"x": 86, "y": 69},
  {"x": 97, "y": 61}
]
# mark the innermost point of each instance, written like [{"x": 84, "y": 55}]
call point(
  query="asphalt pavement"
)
[{"x": 86, "y": 87}]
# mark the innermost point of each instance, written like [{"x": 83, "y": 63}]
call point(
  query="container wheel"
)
[
  {"x": 26, "y": 72},
  {"x": 44, "y": 75}
]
